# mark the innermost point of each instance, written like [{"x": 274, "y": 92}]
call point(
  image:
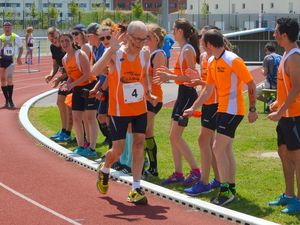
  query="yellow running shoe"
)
[
  {"x": 137, "y": 196},
  {"x": 103, "y": 178}
]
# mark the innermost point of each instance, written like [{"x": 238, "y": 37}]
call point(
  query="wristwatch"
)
[{"x": 252, "y": 109}]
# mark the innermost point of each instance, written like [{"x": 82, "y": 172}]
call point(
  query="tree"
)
[
  {"x": 73, "y": 9},
  {"x": 33, "y": 12},
  {"x": 53, "y": 15},
  {"x": 137, "y": 9},
  {"x": 205, "y": 8}
]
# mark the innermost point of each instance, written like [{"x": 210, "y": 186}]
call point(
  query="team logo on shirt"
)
[{"x": 220, "y": 69}]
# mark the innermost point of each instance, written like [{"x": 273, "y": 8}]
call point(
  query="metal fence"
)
[{"x": 230, "y": 22}]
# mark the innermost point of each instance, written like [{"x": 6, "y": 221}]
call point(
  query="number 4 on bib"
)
[{"x": 133, "y": 92}]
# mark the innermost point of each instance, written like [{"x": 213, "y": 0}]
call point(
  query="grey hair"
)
[{"x": 136, "y": 25}]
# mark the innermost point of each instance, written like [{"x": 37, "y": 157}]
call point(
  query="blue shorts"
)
[
  {"x": 80, "y": 103},
  {"x": 209, "y": 116},
  {"x": 227, "y": 123}
]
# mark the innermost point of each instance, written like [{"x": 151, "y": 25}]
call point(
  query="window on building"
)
[
  {"x": 148, "y": 5},
  {"x": 216, "y": 6},
  {"x": 28, "y": 5},
  {"x": 83, "y": 5},
  {"x": 262, "y": 7},
  {"x": 173, "y": 5},
  {"x": 244, "y": 6},
  {"x": 45, "y": 5},
  {"x": 191, "y": 7},
  {"x": 121, "y": 5},
  {"x": 272, "y": 5}
]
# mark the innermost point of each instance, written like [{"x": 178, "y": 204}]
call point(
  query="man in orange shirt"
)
[
  {"x": 127, "y": 104},
  {"x": 227, "y": 72},
  {"x": 286, "y": 110}
]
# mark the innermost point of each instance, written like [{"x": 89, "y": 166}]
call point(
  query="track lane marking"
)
[{"x": 39, "y": 205}]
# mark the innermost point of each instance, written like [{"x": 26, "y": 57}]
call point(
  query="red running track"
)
[{"x": 38, "y": 187}]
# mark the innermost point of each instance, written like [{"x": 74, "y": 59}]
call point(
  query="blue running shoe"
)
[
  {"x": 283, "y": 200},
  {"x": 56, "y": 135},
  {"x": 197, "y": 189},
  {"x": 293, "y": 207},
  {"x": 214, "y": 184},
  {"x": 79, "y": 150},
  {"x": 88, "y": 153},
  {"x": 172, "y": 180},
  {"x": 192, "y": 178},
  {"x": 63, "y": 138}
]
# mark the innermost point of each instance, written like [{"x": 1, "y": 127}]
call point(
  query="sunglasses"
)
[
  {"x": 75, "y": 33},
  {"x": 103, "y": 38},
  {"x": 137, "y": 39}
]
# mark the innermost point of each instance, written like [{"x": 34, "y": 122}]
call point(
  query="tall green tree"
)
[
  {"x": 33, "y": 12},
  {"x": 137, "y": 9},
  {"x": 53, "y": 15},
  {"x": 205, "y": 8},
  {"x": 73, "y": 9}
]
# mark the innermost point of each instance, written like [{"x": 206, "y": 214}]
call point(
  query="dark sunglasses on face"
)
[
  {"x": 103, "y": 38},
  {"x": 75, "y": 33}
]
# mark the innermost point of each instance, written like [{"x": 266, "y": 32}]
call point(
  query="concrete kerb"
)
[{"x": 191, "y": 202}]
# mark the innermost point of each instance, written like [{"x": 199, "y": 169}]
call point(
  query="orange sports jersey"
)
[
  {"x": 126, "y": 90},
  {"x": 204, "y": 66},
  {"x": 284, "y": 86},
  {"x": 228, "y": 74},
  {"x": 73, "y": 69},
  {"x": 181, "y": 65},
  {"x": 156, "y": 88}
]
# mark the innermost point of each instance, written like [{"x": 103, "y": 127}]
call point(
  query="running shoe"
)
[
  {"x": 151, "y": 172},
  {"x": 293, "y": 207},
  {"x": 223, "y": 198},
  {"x": 56, "y": 135},
  {"x": 79, "y": 150},
  {"x": 197, "y": 189},
  {"x": 172, "y": 180},
  {"x": 137, "y": 196},
  {"x": 214, "y": 184},
  {"x": 192, "y": 178},
  {"x": 88, "y": 153},
  {"x": 63, "y": 137},
  {"x": 282, "y": 200},
  {"x": 103, "y": 178}
]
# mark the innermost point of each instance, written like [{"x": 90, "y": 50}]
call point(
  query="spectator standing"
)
[{"x": 29, "y": 45}]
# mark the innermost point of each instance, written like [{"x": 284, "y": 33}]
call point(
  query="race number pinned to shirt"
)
[
  {"x": 8, "y": 51},
  {"x": 133, "y": 92}
]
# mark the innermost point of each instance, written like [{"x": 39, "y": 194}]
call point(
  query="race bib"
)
[
  {"x": 8, "y": 50},
  {"x": 133, "y": 92}
]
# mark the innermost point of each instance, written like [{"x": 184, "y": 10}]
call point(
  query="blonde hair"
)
[
  {"x": 29, "y": 30},
  {"x": 158, "y": 32},
  {"x": 108, "y": 23}
]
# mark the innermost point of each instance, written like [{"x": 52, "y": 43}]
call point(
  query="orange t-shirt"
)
[
  {"x": 228, "y": 73},
  {"x": 156, "y": 88},
  {"x": 73, "y": 69},
  {"x": 181, "y": 65},
  {"x": 204, "y": 67},
  {"x": 284, "y": 86},
  {"x": 126, "y": 90}
]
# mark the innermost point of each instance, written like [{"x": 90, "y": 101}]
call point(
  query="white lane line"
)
[{"x": 39, "y": 205}]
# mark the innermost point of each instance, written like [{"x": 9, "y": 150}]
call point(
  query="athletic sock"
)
[
  {"x": 151, "y": 149},
  {"x": 5, "y": 93},
  {"x": 136, "y": 184},
  {"x": 10, "y": 90}
]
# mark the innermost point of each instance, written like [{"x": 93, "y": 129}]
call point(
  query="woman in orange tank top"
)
[
  {"x": 155, "y": 41},
  {"x": 187, "y": 37},
  {"x": 78, "y": 70}
]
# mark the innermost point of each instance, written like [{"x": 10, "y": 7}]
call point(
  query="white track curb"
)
[{"x": 194, "y": 203}]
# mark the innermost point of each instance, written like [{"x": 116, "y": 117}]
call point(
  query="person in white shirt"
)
[{"x": 11, "y": 49}]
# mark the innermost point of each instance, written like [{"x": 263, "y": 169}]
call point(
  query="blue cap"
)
[{"x": 80, "y": 28}]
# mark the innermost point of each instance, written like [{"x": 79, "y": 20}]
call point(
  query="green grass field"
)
[{"x": 258, "y": 179}]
